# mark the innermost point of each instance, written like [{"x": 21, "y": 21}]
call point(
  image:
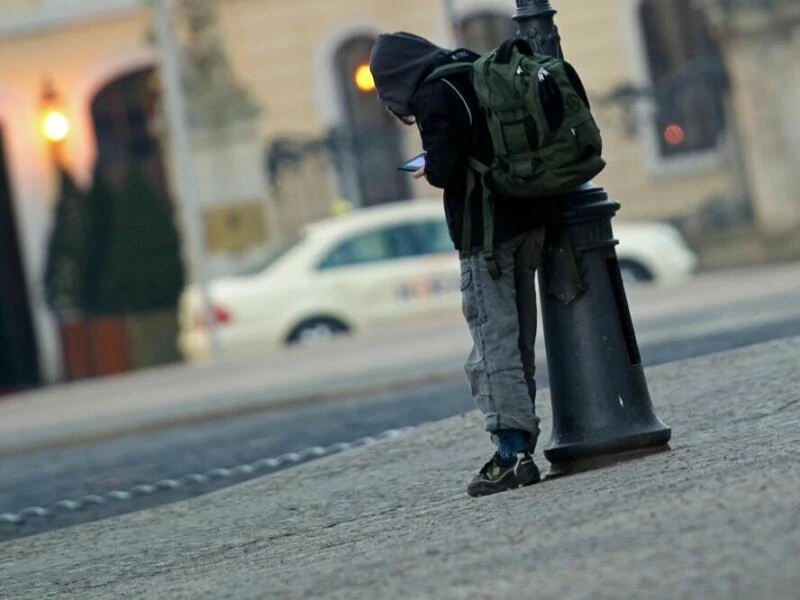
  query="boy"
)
[{"x": 500, "y": 313}]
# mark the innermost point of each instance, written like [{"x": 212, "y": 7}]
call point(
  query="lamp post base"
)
[
  {"x": 601, "y": 404},
  {"x": 602, "y": 412}
]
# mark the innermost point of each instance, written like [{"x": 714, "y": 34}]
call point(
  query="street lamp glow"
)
[
  {"x": 55, "y": 126},
  {"x": 364, "y": 80}
]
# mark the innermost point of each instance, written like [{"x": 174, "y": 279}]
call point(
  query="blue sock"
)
[{"x": 511, "y": 443}]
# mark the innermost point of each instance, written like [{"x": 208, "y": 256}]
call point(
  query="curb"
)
[{"x": 251, "y": 403}]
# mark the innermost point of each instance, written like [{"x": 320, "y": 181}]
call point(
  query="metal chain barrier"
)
[{"x": 264, "y": 464}]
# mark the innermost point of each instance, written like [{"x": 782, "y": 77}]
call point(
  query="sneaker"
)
[{"x": 494, "y": 477}]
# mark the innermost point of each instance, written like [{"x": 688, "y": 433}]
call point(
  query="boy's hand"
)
[{"x": 419, "y": 174}]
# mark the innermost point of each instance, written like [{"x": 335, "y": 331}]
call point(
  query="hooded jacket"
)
[
  {"x": 452, "y": 127},
  {"x": 399, "y": 63}
]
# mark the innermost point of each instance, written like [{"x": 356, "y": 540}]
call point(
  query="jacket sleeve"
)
[{"x": 445, "y": 130}]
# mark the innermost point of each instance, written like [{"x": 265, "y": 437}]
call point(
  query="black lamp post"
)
[
  {"x": 602, "y": 412},
  {"x": 536, "y": 20}
]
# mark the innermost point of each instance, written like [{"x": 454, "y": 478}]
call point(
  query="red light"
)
[
  {"x": 674, "y": 134},
  {"x": 221, "y": 316}
]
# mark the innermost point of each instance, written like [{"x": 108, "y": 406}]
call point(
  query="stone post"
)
[{"x": 239, "y": 217}]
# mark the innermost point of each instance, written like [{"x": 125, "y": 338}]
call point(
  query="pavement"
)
[
  {"x": 113, "y": 476},
  {"x": 717, "y": 517},
  {"x": 739, "y": 246},
  {"x": 404, "y": 357}
]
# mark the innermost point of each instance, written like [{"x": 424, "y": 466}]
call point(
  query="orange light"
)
[
  {"x": 674, "y": 134},
  {"x": 55, "y": 126},
  {"x": 364, "y": 80}
]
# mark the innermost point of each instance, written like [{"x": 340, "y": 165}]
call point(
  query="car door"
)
[
  {"x": 434, "y": 283},
  {"x": 363, "y": 273}
]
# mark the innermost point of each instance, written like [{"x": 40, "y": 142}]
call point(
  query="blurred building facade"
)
[{"x": 696, "y": 102}]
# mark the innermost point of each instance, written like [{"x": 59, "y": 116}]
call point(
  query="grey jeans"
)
[{"x": 501, "y": 315}]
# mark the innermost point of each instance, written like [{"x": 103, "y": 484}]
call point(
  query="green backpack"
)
[{"x": 545, "y": 139}]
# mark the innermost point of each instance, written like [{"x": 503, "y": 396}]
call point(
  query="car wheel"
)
[
  {"x": 316, "y": 330},
  {"x": 633, "y": 272}
]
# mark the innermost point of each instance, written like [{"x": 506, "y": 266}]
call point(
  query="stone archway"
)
[
  {"x": 121, "y": 113},
  {"x": 134, "y": 269},
  {"x": 369, "y": 140}
]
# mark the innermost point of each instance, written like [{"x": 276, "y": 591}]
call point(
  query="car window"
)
[
  {"x": 433, "y": 237},
  {"x": 363, "y": 248},
  {"x": 389, "y": 243},
  {"x": 272, "y": 257},
  {"x": 403, "y": 243}
]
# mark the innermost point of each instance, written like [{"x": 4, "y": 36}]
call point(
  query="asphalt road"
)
[{"x": 43, "y": 478}]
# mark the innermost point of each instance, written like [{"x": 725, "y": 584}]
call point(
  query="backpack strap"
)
[
  {"x": 477, "y": 167},
  {"x": 448, "y": 69},
  {"x": 440, "y": 73},
  {"x": 488, "y": 233},
  {"x": 506, "y": 50},
  {"x": 466, "y": 224},
  {"x": 571, "y": 262},
  {"x": 460, "y": 95}
]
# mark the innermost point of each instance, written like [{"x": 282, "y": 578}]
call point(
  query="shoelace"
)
[{"x": 494, "y": 461}]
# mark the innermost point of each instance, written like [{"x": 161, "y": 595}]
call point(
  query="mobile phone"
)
[{"x": 414, "y": 164}]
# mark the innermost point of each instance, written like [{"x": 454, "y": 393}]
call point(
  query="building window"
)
[
  {"x": 485, "y": 31},
  {"x": 369, "y": 142},
  {"x": 687, "y": 77}
]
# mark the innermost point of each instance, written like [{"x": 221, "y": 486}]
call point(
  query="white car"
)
[{"x": 370, "y": 267}]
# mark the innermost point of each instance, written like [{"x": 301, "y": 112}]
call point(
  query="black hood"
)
[{"x": 399, "y": 63}]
